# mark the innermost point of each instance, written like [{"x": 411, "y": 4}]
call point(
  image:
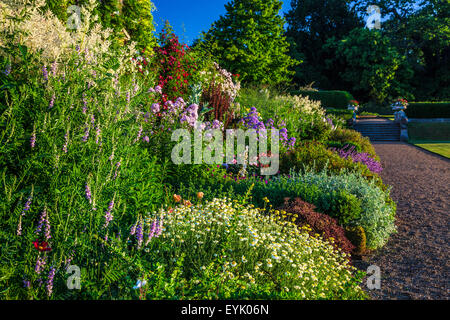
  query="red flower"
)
[{"x": 41, "y": 246}]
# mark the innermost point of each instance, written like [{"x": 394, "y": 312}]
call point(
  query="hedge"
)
[
  {"x": 329, "y": 99},
  {"x": 428, "y": 110}
]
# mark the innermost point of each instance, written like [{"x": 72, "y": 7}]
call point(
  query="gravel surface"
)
[{"x": 414, "y": 263}]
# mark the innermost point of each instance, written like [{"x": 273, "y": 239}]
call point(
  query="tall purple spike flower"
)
[
  {"x": 97, "y": 134},
  {"x": 108, "y": 213},
  {"x": 138, "y": 135},
  {"x": 33, "y": 140},
  {"x": 152, "y": 232},
  {"x": 66, "y": 141},
  {"x": 53, "y": 68},
  {"x": 159, "y": 227},
  {"x": 52, "y": 102},
  {"x": 117, "y": 170},
  {"x": 84, "y": 104},
  {"x": 45, "y": 73},
  {"x": 40, "y": 264},
  {"x": 51, "y": 276},
  {"x": 139, "y": 234},
  {"x": 25, "y": 209},
  {"x": 86, "y": 134},
  {"x": 43, "y": 221},
  {"x": 88, "y": 193}
]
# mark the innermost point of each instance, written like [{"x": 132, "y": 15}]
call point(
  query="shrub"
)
[
  {"x": 428, "y": 110},
  {"x": 360, "y": 157},
  {"x": 327, "y": 227},
  {"x": 358, "y": 237},
  {"x": 344, "y": 145},
  {"x": 328, "y": 99},
  {"x": 333, "y": 195},
  {"x": 315, "y": 155},
  {"x": 347, "y": 136}
]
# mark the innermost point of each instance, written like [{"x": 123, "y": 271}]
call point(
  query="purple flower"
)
[
  {"x": 53, "y": 69},
  {"x": 87, "y": 190},
  {"x": 97, "y": 134},
  {"x": 40, "y": 264},
  {"x": 155, "y": 108},
  {"x": 117, "y": 170},
  {"x": 26, "y": 283},
  {"x": 84, "y": 104},
  {"x": 139, "y": 234},
  {"x": 128, "y": 97},
  {"x": 7, "y": 70},
  {"x": 52, "y": 102},
  {"x": 108, "y": 213},
  {"x": 66, "y": 141},
  {"x": 152, "y": 232},
  {"x": 45, "y": 73},
  {"x": 44, "y": 221},
  {"x": 51, "y": 275},
  {"x": 146, "y": 139},
  {"x": 33, "y": 140},
  {"x": 363, "y": 158},
  {"x": 86, "y": 134},
  {"x": 158, "y": 89}
]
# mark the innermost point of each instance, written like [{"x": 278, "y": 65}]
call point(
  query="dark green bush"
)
[
  {"x": 428, "y": 110},
  {"x": 357, "y": 237},
  {"x": 329, "y": 99}
]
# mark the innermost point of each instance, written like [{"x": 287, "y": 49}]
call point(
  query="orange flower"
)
[
  {"x": 176, "y": 198},
  {"x": 200, "y": 195}
]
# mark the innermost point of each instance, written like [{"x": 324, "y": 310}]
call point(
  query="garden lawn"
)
[
  {"x": 431, "y": 136},
  {"x": 442, "y": 148}
]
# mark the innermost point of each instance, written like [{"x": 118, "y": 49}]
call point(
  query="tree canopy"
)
[{"x": 249, "y": 40}]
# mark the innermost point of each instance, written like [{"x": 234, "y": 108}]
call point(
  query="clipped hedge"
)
[
  {"x": 428, "y": 110},
  {"x": 329, "y": 99}
]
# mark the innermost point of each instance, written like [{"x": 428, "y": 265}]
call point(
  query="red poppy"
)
[{"x": 41, "y": 246}]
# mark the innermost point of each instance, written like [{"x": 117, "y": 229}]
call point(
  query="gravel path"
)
[{"x": 414, "y": 263}]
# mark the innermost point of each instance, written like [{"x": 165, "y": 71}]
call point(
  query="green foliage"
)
[
  {"x": 303, "y": 117},
  {"x": 138, "y": 21},
  {"x": 358, "y": 237},
  {"x": 310, "y": 24},
  {"x": 133, "y": 16},
  {"x": 249, "y": 40},
  {"x": 348, "y": 136},
  {"x": 344, "y": 145},
  {"x": 370, "y": 63},
  {"x": 428, "y": 110},
  {"x": 328, "y": 99},
  {"x": 419, "y": 30}
]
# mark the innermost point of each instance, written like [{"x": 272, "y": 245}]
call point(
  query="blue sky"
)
[{"x": 190, "y": 17}]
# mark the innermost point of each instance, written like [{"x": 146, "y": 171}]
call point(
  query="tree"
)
[
  {"x": 133, "y": 16},
  {"x": 310, "y": 24},
  {"x": 249, "y": 40},
  {"x": 371, "y": 65},
  {"x": 420, "y": 31}
]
